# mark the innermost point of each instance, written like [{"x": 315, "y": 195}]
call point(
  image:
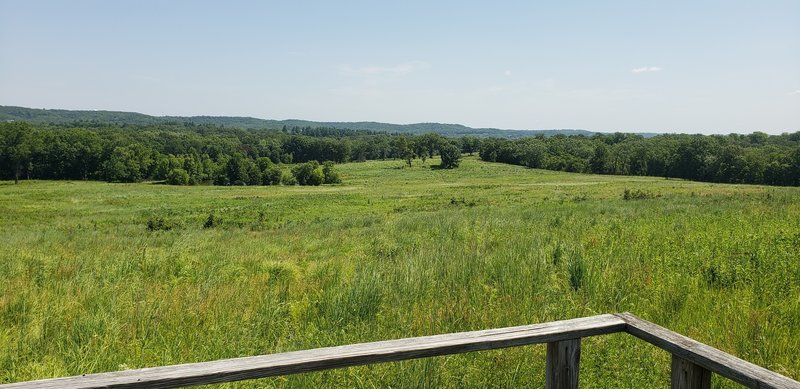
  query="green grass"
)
[{"x": 394, "y": 252}]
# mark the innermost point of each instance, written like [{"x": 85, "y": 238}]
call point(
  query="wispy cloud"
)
[
  {"x": 646, "y": 69},
  {"x": 372, "y": 70},
  {"x": 797, "y": 92}
]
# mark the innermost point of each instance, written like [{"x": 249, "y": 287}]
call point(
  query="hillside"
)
[{"x": 61, "y": 116}]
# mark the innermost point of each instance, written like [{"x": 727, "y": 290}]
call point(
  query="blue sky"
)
[{"x": 677, "y": 66}]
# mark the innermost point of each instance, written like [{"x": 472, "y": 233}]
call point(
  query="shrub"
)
[
  {"x": 308, "y": 173},
  {"x": 330, "y": 176},
  {"x": 158, "y": 224},
  {"x": 271, "y": 175},
  {"x": 178, "y": 176},
  {"x": 288, "y": 179},
  {"x": 637, "y": 194}
]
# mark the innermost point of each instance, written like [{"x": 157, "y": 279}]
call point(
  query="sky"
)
[{"x": 643, "y": 66}]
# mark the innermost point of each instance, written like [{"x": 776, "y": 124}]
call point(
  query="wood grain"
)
[
  {"x": 335, "y": 357},
  {"x": 563, "y": 364},
  {"x": 717, "y": 361},
  {"x": 687, "y": 375}
]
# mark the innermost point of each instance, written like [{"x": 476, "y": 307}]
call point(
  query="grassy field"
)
[{"x": 86, "y": 286}]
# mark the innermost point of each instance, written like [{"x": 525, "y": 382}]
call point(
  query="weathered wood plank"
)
[
  {"x": 687, "y": 375},
  {"x": 563, "y": 364},
  {"x": 717, "y": 361},
  {"x": 334, "y": 357}
]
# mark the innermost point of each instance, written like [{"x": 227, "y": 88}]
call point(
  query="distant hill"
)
[{"x": 62, "y": 116}]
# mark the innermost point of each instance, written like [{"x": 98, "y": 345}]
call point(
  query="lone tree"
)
[
  {"x": 403, "y": 150},
  {"x": 451, "y": 155}
]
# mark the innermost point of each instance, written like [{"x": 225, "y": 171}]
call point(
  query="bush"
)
[
  {"x": 158, "y": 224},
  {"x": 637, "y": 194},
  {"x": 222, "y": 180},
  {"x": 178, "y": 176},
  {"x": 271, "y": 175},
  {"x": 288, "y": 179},
  {"x": 330, "y": 176},
  {"x": 308, "y": 173}
]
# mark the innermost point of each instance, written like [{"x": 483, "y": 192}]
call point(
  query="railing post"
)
[
  {"x": 563, "y": 361},
  {"x": 687, "y": 375}
]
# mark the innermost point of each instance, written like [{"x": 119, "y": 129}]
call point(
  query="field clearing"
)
[{"x": 394, "y": 252}]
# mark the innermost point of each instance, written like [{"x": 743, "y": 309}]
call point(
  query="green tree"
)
[
  {"x": 470, "y": 144},
  {"x": 402, "y": 149},
  {"x": 237, "y": 170},
  {"x": 330, "y": 176},
  {"x": 287, "y": 178},
  {"x": 271, "y": 175},
  {"x": 451, "y": 155},
  {"x": 18, "y": 143},
  {"x": 308, "y": 173},
  {"x": 178, "y": 176},
  {"x": 128, "y": 164}
]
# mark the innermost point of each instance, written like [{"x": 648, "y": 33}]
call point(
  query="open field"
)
[{"x": 394, "y": 252}]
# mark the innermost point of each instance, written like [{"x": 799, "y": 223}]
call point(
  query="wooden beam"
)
[
  {"x": 563, "y": 364},
  {"x": 687, "y": 375},
  {"x": 236, "y": 369},
  {"x": 717, "y": 361}
]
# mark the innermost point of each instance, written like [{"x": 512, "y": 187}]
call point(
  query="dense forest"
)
[
  {"x": 192, "y": 154},
  {"x": 63, "y": 116},
  {"x": 189, "y": 153},
  {"x": 756, "y": 158}
]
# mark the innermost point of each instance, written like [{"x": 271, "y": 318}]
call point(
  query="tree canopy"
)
[{"x": 230, "y": 156}]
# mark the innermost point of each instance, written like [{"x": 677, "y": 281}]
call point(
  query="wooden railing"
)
[{"x": 692, "y": 361}]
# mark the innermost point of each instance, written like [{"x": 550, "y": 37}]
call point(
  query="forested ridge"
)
[
  {"x": 189, "y": 153},
  {"x": 94, "y": 118}
]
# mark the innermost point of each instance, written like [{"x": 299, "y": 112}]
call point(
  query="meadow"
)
[{"x": 99, "y": 277}]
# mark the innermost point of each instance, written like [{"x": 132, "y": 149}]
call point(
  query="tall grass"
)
[{"x": 88, "y": 287}]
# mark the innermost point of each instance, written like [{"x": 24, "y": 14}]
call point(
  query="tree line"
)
[
  {"x": 756, "y": 158},
  {"x": 188, "y": 153}
]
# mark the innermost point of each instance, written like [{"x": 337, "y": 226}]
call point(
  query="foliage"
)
[
  {"x": 756, "y": 158},
  {"x": 159, "y": 224},
  {"x": 271, "y": 175},
  {"x": 178, "y": 176},
  {"x": 450, "y": 154},
  {"x": 308, "y": 173},
  {"x": 230, "y": 156},
  {"x": 638, "y": 194},
  {"x": 288, "y": 178},
  {"x": 318, "y": 129},
  {"x": 331, "y": 176},
  {"x": 18, "y": 142}
]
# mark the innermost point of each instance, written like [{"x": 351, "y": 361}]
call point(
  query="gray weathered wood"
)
[
  {"x": 717, "y": 361},
  {"x": 687, "y": 375},
  {"x": 334, "y": 357},
  {"x": 563, "y": 364}
]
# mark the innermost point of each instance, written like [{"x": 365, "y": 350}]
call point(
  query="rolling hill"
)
[{"x": 62, "y": 116}]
